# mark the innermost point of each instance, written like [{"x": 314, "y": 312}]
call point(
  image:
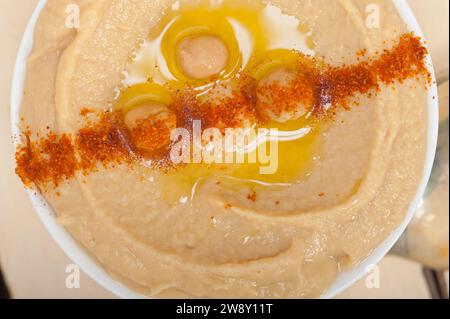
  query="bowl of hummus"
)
[{"x": 224, "y": 149}]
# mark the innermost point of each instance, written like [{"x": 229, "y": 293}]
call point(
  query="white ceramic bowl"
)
[{"x": 79, "y": 256}]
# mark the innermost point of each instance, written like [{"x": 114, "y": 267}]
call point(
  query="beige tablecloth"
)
[{"x": 33, "y": 264}]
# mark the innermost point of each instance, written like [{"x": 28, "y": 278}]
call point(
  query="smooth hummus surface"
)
[{"x": 286, "y": 241}]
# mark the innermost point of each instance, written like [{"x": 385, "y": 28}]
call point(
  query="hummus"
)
[{"x": 254, "y": 242}]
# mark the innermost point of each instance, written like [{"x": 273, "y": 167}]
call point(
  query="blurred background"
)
[{"x": 33, "y": 266}]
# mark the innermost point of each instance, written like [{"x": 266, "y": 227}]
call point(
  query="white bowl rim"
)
[{"x": 94, "y": 270}]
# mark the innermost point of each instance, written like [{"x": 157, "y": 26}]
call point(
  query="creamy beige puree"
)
[{"x": 229, "y": 239}]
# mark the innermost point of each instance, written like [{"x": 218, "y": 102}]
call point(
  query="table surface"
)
[{"x": 34, "y": 266}]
